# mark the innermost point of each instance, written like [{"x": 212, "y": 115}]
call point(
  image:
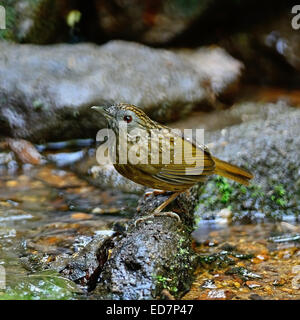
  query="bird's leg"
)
[
  {"x": 158, "y": 211},
  {"x": 164, "y": 204}
]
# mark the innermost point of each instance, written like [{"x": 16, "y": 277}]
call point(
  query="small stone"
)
[
  {"x": 81, "y": 216},
  {"x": 220, "y": 295},
  {"x": 256, "y": 260},
  {"x": 279, "y": 282},
  {"x": 97, "y": 211},
  {"x": 252, "y": 284},
  {"x": 25, "y": 151},
  {"x": 225, "y": 213},
  {"x": 12, "y": 183},
  {"x": 209, "y": 284}
]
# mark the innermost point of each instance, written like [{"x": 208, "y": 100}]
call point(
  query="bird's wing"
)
[{"x": 188, "y": 165}]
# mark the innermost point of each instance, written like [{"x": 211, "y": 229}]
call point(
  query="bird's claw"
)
[
  {"x": 158, "y": 214},
  {"x": 154, "y": 192}
]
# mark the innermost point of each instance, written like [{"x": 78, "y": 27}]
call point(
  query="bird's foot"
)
[
  {"x": 158, "y": 214},
  {"x": 154, "y": 192},
  {"x": 170, "y": 214}
]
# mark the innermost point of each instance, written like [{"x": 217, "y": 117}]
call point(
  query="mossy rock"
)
[{"x": 268, "y": 146}]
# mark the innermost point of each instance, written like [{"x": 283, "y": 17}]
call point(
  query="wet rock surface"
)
[
  {"x": 148, "y": 257},
  {"x": 46, "y": 92},
  {"x": 104, "y": 176},
  {"x": 265, "y": 143},
  {"x": 146, "y": 261}
]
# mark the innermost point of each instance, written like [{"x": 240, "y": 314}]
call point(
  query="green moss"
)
[
  {"x": 37, "y": 104},
  {"x": 279, "y": 196},
  {"x": 164, "y": 281},
  {"x": 222, "y": 192},
  {"x": 256, "y": 191},
  {"x": 174, "y": 276},
  {"x": 273, "y": 200},
  {"x": 279, "y": 189},
  {"x": 224, "y": 189},
  {"x": 243, "y": 189},
  {"x": 40, "y": 286}
]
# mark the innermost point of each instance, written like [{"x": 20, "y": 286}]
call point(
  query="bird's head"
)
[{"x": 125, "y": 114}]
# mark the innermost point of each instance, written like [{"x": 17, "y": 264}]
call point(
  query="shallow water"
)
[
  {"x": 48, "y": 211},
  {"x": 253, "y": 261},
  {"x": 45, "y": 212}
]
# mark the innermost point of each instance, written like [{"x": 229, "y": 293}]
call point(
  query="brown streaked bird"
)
[{"x": 176, "y": 176}]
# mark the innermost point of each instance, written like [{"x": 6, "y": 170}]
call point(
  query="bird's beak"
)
[{"x": 103, "y": 110}]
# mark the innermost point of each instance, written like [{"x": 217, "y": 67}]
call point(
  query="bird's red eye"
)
[{"x": 127, "y": 118}]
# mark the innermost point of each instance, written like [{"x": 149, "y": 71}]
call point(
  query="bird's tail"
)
[{"x": 232, "y": 172}]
